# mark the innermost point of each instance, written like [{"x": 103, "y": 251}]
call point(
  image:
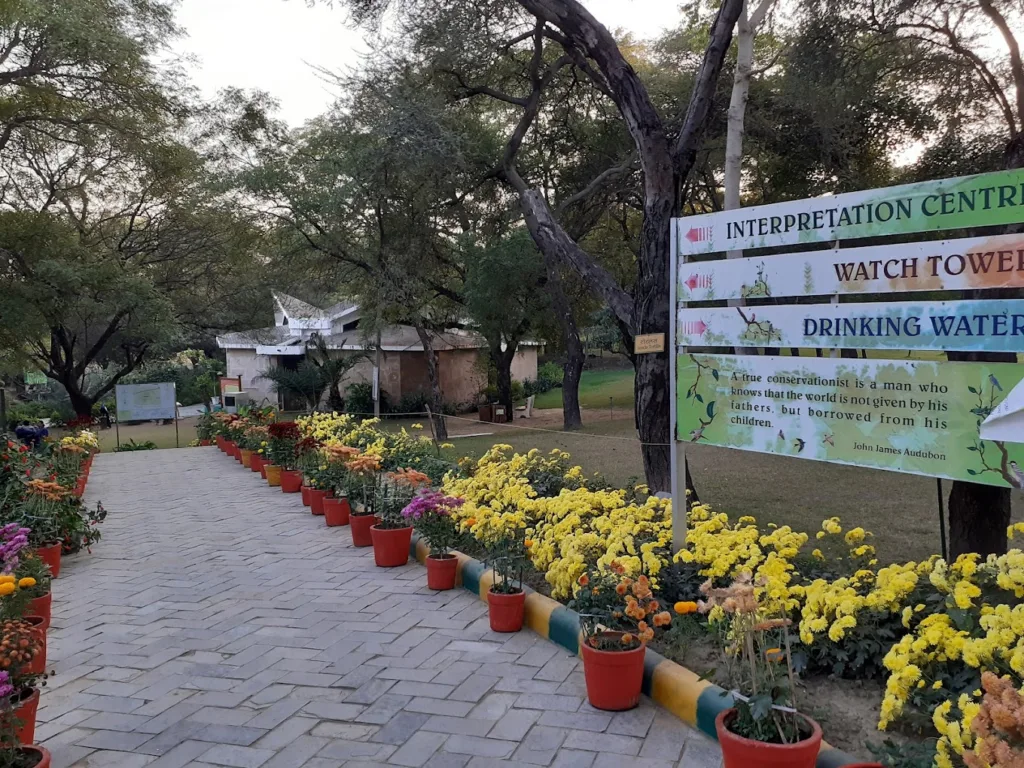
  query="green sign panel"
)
[{"x": 922, "y": 418}]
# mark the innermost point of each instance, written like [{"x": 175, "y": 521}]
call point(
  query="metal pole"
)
[
  {"x": 676, "y": 453},
  {"x": 942, "y": 519},
  {"x": 376, "y": 373},
  {"x": 174, "y": 386},
  {"x": 117, "y": 424}
]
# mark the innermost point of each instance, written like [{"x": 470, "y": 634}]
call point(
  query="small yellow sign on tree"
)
[{"x": 648, "y": 342}]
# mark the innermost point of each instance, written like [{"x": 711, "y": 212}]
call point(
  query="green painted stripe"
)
[
  {"x": 709, "y": 704},
  {"x": 651, "y": 660},
  {"x": 471, "y": 573},
  {"x": 564, "y": 629}
]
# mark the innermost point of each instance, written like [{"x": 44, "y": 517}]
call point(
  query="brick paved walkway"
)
[{"x": 218, "y": 622}]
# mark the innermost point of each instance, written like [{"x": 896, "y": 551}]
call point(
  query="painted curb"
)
[{"x": 675, "y": 688}]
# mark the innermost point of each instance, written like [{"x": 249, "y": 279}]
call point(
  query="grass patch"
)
[
  {"x": 595, "y": 389},
  {"x": 161, "y": 434}
]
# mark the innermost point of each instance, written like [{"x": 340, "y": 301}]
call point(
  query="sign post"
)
[
  {"x": 918, "y": 414},
  {"x": 145, "y": 402}
]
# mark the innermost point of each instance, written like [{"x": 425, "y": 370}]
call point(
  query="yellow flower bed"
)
[{"x": 929, "y": 628}]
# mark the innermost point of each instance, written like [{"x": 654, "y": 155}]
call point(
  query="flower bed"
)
[{"x": 926, "y": 630}]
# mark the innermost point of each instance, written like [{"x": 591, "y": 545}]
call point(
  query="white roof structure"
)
[{"x": 296, "y": 321}]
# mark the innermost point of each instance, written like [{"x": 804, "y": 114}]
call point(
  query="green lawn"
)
[
  {"x": 595, "y": 389},
  {"x": 162, "y": 435}
]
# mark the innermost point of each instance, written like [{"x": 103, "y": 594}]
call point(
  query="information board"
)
[
  {"x": 917, "y": 417},
  {"x": 145, "y": 402}
]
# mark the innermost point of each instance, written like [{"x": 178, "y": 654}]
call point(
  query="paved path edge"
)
[{"x": 676, "y": 689}]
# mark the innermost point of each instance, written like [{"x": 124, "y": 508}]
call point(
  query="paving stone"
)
[
  {"x": 111, "y": 759},
  {"x": 114, "y": 740},
  {"x": 400, "y": 727},
  {"x": 603, "y": 742},
  {"x": 477, "y": 746},
  {"x": 514, "y": 725},
  {"x": 418, "y": 749},
  {"x": 239, "y": 757},
  {"x": 550, "y": 701},
  {"x": 462, "y": 725},
  {"x": 182, "y": 755},
  {"x": 574, "y": 758},
  {"x": 540, "y": 745},
  {"x": 633, "y": 722}
]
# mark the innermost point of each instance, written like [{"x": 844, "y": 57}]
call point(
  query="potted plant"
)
[
  {"x": 430, "y": 513},
  {"x": 337, "y": 478},
  {"x": 392, "y": 534},
  {"x": 20, "y": 647},
  {"x": 364, "y": 470},
  {"x": 505, "y": 543},
  {"x": 24, "y": 578},
  {"x": 315, "y": 474},
  {"x": 618, "y": 618},
  {"x": 284, "y": 435},
  {"x": 40, "y": 511},
  {"x": 763, "y": 728},
  {"x": 14, "y": 753}
]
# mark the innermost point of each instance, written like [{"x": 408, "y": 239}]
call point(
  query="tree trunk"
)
[
  {"x": 574, "y": 354},
  {"x": 81, "y": 402},
  {"x": 436, "y": 395},
  {"x": 979, "y": 514},
  {"x": 502, "y": 359}
]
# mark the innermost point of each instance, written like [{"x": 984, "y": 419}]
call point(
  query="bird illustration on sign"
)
[{"x": 1017, "y": 474}]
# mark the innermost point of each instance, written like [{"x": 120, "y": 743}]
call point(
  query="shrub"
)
[{"x": 359, "y": 399}]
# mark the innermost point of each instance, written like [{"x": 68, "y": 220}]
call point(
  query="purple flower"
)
[
  {"x": 13, "y": 539},
  {"x": 6, "y": 689},
  {"x": 428, "y": 502}
]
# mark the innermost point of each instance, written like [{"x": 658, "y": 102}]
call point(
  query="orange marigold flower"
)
[
  {"x": 634, "y": 610},
  {"x": 471, "y": 521},
  {"x": 662, "y": 619},
  {"x": 584, "y": 580},
  {"x": 642, "y": 588},
  {"x": 628, "y": 639},
  {"x": 617, "y": 567},
  {"x": 410, "y": 477},
  {"x": 620, "y": 589},
  {"x": 526, "y": 543},
  {"x": 774, "y": 654},
  {"x": 772, "y": 624},
  {"x": 684, "y": 607},
  {"x": 647, "y": 635}
]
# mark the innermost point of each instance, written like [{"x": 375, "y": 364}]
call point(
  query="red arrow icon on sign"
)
[
  {"x": 700, "y": 326},
  {"x": 691, "y": 282},
  {"x": 696, "y": 234}
]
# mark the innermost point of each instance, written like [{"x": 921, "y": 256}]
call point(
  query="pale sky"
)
[{"x": 273, "y": 44}]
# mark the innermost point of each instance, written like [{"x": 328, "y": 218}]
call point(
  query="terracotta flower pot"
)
[
  {"x": 25, "y": 715},
  {"x": 613, "y": 678},
  {"x": 41, "y": 753},
  {"x": 221, "y": 443},
  {"x": 256, "y": 462},
  {"x": 204, "y": 443},
  {"x": 740, "y": 752},
  {"x": 291, "y": 481},
  {"x": 230, "y": 448},
  {"x": 50, "y": 554},
  {"x": 316, "y": 500},
  {"x": 506, "y": 612},
  {"x": 390, "y": 546},
  {"x": 41, "y": 606},
  {"x": 441, "y": 571},
  {"x": 273, "y": 474},
  {"x": 336, "y": 511},
  {"x": 38, "y": 664},
  {"x": 305, "y": 495},
  {"x": 246, "y": 455},
  {"x": 361, "y": 525},
  {"x": 263, "y": 468}
]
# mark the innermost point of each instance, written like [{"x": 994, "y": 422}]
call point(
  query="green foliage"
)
[
  {"x": 131, "y": 445},
  {"x": 359, "y": 399},
  {"x": 194, "y": 374}
]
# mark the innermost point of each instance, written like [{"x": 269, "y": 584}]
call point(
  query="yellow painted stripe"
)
[
  {"x": 486, "y": 580},
  {"x": 677, "y": 690},
  {"x": 538, "y": 613}
]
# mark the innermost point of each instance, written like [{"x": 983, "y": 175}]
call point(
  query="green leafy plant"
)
[{"x": 131, "y": 445}]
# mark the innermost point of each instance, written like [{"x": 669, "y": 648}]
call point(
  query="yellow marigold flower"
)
[
  {"x": 817, "y": 555},
  {"x": 7, "y": 577},
  {"x": 416, "y": 426},
  {"x": 7, "y": 588},
  {"x": 28, "y": 581}
]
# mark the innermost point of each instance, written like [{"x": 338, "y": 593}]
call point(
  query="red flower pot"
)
[
  {"x": 441, "y": 571},
  {"x": 204, "y": 443},
  {"x": 25, "y": 715},
  {"x": 361, "y": 525},
  {"x": 231, "y": 448},
  {"x": 316, "y": 500},
  {"x": 263, "y": 468},
  {"x": 739, "y": 752},
  {"x": 305, "y": 495},
  {"x": 336, "y": 511},
  {"x": 50, "y": 554},
  {"x": 291, "y": 481},
  {"x": 256, "y": 462},
  {"x": 506, "y": 612},
  {"x": 40, "y": 606},
  {"x": 38, "y": 664},
  {"x": 42, "y": 755},
  {"x": 390, "y": 546},
  {"x": 613, "y": 678}
]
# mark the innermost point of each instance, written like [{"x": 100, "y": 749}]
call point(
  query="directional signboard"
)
[{"x": 945, "y": 419}]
